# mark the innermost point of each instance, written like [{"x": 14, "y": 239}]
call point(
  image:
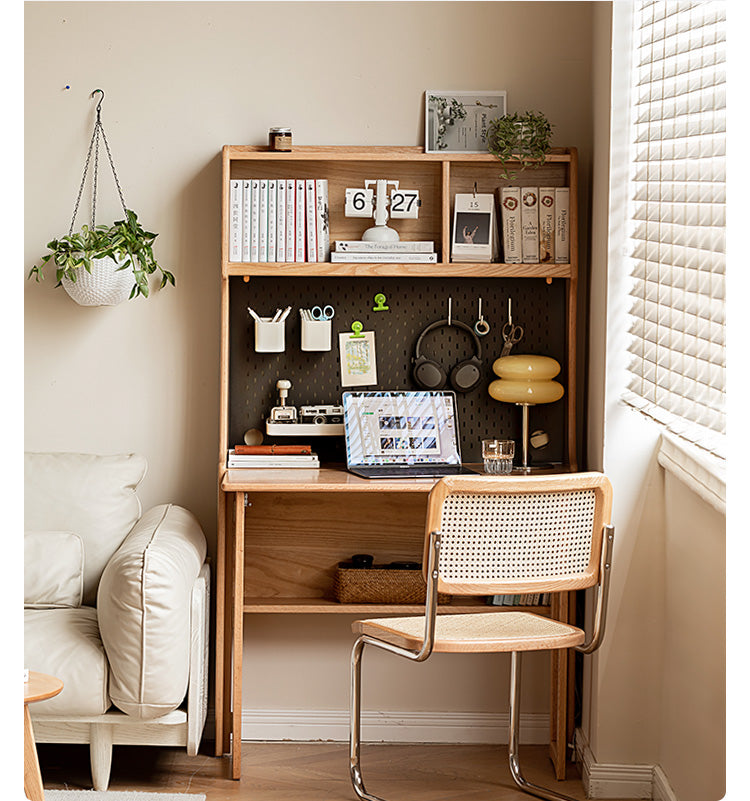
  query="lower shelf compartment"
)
[{"x": 324, "y": 606}]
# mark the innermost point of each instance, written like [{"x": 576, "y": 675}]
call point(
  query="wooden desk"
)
[{"x": 280, "y": 559}]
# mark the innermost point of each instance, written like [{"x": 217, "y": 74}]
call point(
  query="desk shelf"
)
[
  {"x": 323, "y": 606},
  {"x": 396, "y": 270}
]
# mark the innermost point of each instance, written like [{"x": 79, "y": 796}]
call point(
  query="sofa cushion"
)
[
  {"x": 144, "y": 609},
  {"x": 65, "y": 643},
  {"x": 52, "y": 569},
  {"x": 94, "y": 496}
]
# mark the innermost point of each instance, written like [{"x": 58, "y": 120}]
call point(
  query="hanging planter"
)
[{"x": 103, "y": 265}]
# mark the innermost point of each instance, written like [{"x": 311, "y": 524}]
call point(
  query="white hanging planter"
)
[{"x": 105, "y": 285}]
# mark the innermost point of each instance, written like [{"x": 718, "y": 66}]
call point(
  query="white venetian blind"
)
[{"x": 677, "y": 215}]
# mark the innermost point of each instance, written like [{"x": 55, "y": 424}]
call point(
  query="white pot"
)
[{"x": 105, "y": 285}]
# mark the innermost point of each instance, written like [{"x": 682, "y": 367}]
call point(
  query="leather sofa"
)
[{"x": 116, "y": 604}]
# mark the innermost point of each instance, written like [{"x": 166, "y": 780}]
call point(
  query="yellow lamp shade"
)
[
  {"x": 524, "y": 367},
  {"x": 510, "y": 391}
]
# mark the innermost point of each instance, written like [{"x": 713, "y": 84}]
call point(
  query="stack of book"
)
[
  {"x": 272, "y": 456},
  {"x": 535, "y": 223},
  {"x": 529, "y": 599},
  {"x": 278, "y": 220},
  {"x": 353, "y": 250}
]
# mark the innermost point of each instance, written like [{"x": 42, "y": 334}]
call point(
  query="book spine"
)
[
  {"x": 254, "y": 220},
  {"x": 354, "y": 246},
  {"x": 263, "y": 221},
  {"x": 530, "y": 225},
  {"x": 546, "y": 224},
  {"x": 272, "y": 462},
  {"x": 321, "y": 219},
  {"x": 281, "y": 220},
  {"x": 300, "y": 237},
  {"x": 562, "y": 225},
  {"x": 510, "y": 213},
  {"x": 310, "y": 221},
  {"x": 393, "y": 258},
  {"x": 290, "y": 208},
  {"x": 235, "y": 220},
  {"x": 247, "y": 204},
  {"x": 249, "y": 450},
  {"x": 272, "y": 220}
]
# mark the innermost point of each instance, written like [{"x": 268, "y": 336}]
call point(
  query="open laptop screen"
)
[{"x": 395, "y": 428}]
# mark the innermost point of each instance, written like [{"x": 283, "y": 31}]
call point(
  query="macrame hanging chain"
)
[{"x": 94, "y": 147}]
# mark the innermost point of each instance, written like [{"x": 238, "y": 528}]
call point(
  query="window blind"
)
[{"x": 677, "y": 219}]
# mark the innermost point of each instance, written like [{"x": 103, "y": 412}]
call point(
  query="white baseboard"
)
[
  {"x": 662, "y": 789},
  {"x": 396, "y": 727}
]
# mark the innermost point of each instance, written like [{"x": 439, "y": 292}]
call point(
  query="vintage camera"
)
[{"x": 321, "y": 414}]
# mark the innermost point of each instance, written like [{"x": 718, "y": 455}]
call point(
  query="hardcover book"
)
[
  {"x": 546, "y": 224},
  {"x": 530, "y": 225},
  {"x": 510, "y": 213},
  {"x": 562, "y": 225},
  {"x": 235, "y": 220}
]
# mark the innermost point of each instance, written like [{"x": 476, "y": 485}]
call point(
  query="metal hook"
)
[
  {"x": 99, "y": 104},
  {"x": 510, "y": 316},
  {"x": 450, "y": 303},
  {"x": 475, "y": 188}
]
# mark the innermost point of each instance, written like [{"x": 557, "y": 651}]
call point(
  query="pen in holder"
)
[
  {"x": 269, "y": 331},
  {"x": 316, "y": 328}
]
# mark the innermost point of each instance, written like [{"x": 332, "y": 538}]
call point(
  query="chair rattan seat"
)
[{"x": 484, "y": 632}]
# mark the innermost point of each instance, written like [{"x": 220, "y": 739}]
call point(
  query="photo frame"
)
[
  {"x": 475, "y": 236},
  {"x": 456, "y": 121}
]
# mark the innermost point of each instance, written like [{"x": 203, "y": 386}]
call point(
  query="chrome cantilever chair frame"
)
[{"x": 597, "y": 574}]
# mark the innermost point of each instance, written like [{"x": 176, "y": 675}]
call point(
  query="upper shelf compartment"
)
[{"x": 437, "y": 176}]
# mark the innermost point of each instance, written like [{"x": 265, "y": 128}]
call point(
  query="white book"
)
[
  {"x": 247, "y": 204},
  {"x": 263, "y": 220},
  {"x": 530, "y": 225},
  {"x": 321, "y": 219},
  {"x": 393, "y": 258},
  {"x": 272, "y": 220},
  {"x": 235, "y": 220},
  {"x": 546, "y": 224},
  {"x": 274, "y": 461},
  {"x": 562, "y": 225},
  {"x": 311, "y": 225},
  {"x": 510, "y": 214},
  {"x": 300, "y": 237},
  {"x": 254, "y": 214},
  {"x": 356, "y": 246},
  {"x": 281, "y": 220},
  {"x": 290, "y": 209}
]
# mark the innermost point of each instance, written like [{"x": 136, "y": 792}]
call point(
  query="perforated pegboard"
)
[{"x": 413, "y": 304}]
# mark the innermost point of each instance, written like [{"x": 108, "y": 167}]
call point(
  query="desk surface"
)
[{"x": 330, "y": 478}]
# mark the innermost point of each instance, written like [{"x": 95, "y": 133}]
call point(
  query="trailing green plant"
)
[
  {"x": 125, "y": 240},
  {"x": 519, "y": 138}
]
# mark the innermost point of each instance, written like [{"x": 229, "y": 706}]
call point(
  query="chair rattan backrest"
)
[{"x": 516, "y": 535}]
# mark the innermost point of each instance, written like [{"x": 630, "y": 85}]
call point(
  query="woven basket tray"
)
[{"x": 380, "y": 586}]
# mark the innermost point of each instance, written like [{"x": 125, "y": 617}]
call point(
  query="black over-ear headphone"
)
[{"x": 464, "y": 377}]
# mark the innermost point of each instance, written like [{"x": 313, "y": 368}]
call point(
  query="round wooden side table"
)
[{"x": 37, "y": 688}]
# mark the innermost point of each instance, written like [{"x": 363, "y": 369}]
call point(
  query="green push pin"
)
[
  {"x": 357, "y": 328},
  {"x": 380, "y": 303}
]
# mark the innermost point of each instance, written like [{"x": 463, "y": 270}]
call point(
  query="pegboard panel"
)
[{"x": 413, "y": 304}]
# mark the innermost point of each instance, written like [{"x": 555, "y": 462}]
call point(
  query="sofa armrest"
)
[{"x": 144, "y": 607}]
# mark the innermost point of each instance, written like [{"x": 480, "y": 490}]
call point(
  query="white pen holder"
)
[
  {"x": 316, "y": 335},
  {"x": 269, "y": 336}
]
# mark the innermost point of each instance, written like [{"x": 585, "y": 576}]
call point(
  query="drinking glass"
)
[{"x": 498, "y": 456}]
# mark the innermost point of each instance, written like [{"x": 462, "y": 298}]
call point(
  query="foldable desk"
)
[{"x": 285, "y": 531}]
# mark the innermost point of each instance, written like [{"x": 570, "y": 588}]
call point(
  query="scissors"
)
[
  {"x": 511, "y": 334},
  {"x": 325, "y": 313}
]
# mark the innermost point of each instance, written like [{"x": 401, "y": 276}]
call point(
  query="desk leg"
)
[
  {"x": 237, "y": 621},
  {"x": 221, "y": 636},
  {"x": 561, "y": 673},
  {"x": 32, "y": 777}
]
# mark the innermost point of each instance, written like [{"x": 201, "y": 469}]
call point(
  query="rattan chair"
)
[{"x": 487, "y": 536}]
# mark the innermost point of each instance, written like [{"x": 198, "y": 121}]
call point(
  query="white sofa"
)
[{"x": 116, "y": 605}]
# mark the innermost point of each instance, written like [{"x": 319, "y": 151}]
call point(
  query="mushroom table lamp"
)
[{"x": 526, "y": 380}]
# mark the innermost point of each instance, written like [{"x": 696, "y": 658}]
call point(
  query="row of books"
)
[
  {"x": 528, "y": 599},
  {"x": 348, "y": 250},
  {"x": 287, "y": 456},
  {"x": 535, "y": 224},
  {"x": 278, "y": 220}
]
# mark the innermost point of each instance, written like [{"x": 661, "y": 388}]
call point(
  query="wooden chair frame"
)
[{"x": 597, "y": 574}]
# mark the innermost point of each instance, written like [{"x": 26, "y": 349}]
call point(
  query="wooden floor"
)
[{"x": 313, "y": 772}]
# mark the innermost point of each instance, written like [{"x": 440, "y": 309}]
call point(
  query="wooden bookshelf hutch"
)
[{"x": 281, "y": 532}]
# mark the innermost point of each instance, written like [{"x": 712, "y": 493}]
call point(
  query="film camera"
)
[{"x": 321, "y": 414}]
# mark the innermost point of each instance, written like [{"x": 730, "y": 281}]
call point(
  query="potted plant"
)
[
  {"x": 104, "y": 265},
  {"x": 520, "y": 137}
]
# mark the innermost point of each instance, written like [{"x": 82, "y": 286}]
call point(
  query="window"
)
[{"x": 676, "y": 237}]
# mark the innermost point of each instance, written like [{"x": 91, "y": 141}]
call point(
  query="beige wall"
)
[{"x": 181, "y": 80}]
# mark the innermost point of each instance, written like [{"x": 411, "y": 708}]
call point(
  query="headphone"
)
[{"x": 464, "y": 377}]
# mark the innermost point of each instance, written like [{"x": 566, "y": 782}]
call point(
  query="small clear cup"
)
[{"x": 498, "y": 456}]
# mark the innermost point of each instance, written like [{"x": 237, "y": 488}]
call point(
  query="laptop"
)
[{"x": 402, "y": 434}]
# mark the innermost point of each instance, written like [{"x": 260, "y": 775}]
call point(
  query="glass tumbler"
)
[{"x": 498, "y": 456}]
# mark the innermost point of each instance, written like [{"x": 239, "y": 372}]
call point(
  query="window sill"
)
[{"x": 703, "y": 473}]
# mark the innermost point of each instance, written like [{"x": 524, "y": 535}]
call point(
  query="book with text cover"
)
[
  {"x": 290, "y": 209},
  {"x": 510, "y": 214},
  {"x": 281, "y": 220},
  {"x": 300, "y": 234},
  {"x": 271, "y": 220},
  {"x": 562, "y": 225},
  {"x": 546, "y": 224},
  {"x": 311, "y": 222},
  {"x": 321, "y": 220},
  {"x": 254, "y": 212},
  {"x": 384, "y": 258},
  {"x": 247, "y": 204},
  {"x": 357, "y": 246},
  {"x": 529, "y": 225},
  {"x": 263, "y": 220},
  {"x": 235, "y": 220}
]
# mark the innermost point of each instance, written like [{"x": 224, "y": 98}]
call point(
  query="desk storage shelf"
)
[{"x": 282, "y": 533}]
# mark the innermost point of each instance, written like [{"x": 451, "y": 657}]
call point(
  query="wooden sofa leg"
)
[{"x": 100, "y": 750}]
